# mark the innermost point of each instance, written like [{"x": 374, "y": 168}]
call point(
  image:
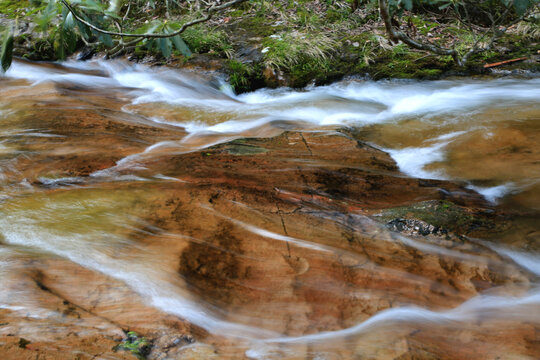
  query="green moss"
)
[
  {"x": 14, "y": 8},
  {"x": 423, "y": 26},
  {"x": 405, "y": 64},
  {"x": 259, "y": 26},
  {"x": 137, "y": 345},
  {"x": 310, "y": 71},
  {"x": 362, "y": 54},
  {"x": 443, "y": 214},
  {"x": 203, "y": 39},
  {"x": 336, "y": 15},
  {"x": 306, "y": 18}
]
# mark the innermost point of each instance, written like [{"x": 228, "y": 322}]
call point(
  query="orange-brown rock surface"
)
[{"x": 277, "y": 235}]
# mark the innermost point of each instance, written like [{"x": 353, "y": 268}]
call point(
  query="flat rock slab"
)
[{"x": 285, "y": 235}]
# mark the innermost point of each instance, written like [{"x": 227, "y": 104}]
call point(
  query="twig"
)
[
  {"x": 117, "y": 50},
  {"x": 127, "y": 11}
]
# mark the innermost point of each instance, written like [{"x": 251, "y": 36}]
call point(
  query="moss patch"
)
[
  {"x": 258, "y": 26},
  {"x": 444, "y": 215},
  {"x": 139, "y": 346},
  {"x": 14, "y": 8}
]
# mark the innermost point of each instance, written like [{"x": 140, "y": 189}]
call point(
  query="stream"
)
[{"x": 360, "y": 220}]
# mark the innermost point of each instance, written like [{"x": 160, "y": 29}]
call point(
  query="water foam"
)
[
  {"x": 356, "y": 103},
  {"x": 343, "y": 103},
  {"x": 493, "y": 193}
]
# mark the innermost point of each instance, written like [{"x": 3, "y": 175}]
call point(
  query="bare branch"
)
[
  {"x": 119, "y": 49},
  {"x": 127, "y": 11},
  {"x": 209, "y": 13}
]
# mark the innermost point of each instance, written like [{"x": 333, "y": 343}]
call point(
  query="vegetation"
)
[
  {"x": 444, "y": 215},
  {"x": 495, "y": 16},
  {"x": 137, "y": 345},
  {"x": 282, "y": 42}
]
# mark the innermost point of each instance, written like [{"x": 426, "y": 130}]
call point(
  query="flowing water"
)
[{"x": 131, "y": 199}]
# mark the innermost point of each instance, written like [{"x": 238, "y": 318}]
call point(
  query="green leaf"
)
[
  {"x": 106, "y": 39},
  {"x": 148, "y": 28},
  {"x": 92, "y": 5},
  {"x": 521, "y": 6},
  {"x": 407, "y": 4},
  {"x": 44, "y": 20},
  {"x": 165, "y": 46},
  {"x": 71, "y": 40},
  {"x": 112, "y": 15},
  {"x": 69, "y": 22},
  {"x": 114, "y": 6},
  {"x": 6, "y": 53},
  {"x": 83, "y": 30},
  {"x": 173, "y": 26},
  {"x": 35, "y": 10},
  {"x": 59, "y": 48},
  {"x": 65, "y": 43},
  {"x": 181, "y": 46}
]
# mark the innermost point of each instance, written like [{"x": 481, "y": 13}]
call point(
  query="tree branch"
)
[{"x": 209, "y": 13}]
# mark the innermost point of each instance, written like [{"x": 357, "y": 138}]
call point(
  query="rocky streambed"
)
[{"x": 168, "y": 219}]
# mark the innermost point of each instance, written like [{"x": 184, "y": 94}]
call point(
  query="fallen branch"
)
[{"x": 504, "y": 62}]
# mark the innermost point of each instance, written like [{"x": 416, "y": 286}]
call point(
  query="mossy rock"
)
[
  {"x": 36, "y": 49},
  {"x": 404, "y": 64},
  {"x": 445, "y": 215},
  {"x": 257, "y": 26}
]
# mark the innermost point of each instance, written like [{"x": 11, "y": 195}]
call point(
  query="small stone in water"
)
[{"x": 23, "y": 342}]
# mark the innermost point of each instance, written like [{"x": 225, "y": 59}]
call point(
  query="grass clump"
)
[
  {"x": 290, "y": 49},
  {"x": 240, "y": 75},
  {"x": 528, "y": 30},
  {"x": 203, "y": 39}
]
